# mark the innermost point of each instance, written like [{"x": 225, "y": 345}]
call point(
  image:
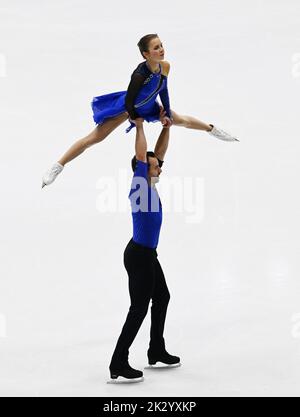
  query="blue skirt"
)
[{"x": 113, "y": 104}]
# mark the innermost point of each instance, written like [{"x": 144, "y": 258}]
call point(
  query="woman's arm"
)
[
  {"x": 164, "y": 94},
  {"x": 134, "y": 87}
]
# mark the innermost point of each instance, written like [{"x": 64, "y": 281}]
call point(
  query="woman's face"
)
[{"x": 156, "y": 50}]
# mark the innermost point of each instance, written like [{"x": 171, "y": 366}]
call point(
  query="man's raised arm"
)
[
  {"x": 140, "y": 141},
  {"x": 162, "y": 143}
]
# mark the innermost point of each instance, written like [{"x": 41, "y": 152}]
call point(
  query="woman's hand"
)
[{"x": 165, "y": 121}]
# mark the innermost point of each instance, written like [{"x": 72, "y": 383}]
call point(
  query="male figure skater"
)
[{"x": 146, "y": 277}]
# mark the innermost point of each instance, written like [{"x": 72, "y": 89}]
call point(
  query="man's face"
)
[{"x": 154, "y": 170}]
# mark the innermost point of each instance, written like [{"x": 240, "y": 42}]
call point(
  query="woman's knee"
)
[
  {"x": 99, "y": 133},
  {"x": 95, "y": 137}
]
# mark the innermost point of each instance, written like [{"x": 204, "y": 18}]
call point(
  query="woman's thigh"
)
[
  {"x": 178, "y": 119},
  {"x": 110, "y": 124},
  {"x": 102, "y": 130}
]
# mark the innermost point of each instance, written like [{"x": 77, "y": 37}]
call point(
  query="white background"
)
[{"x": 234, "y": 312}]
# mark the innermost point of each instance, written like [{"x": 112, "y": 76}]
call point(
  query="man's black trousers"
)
[{"x": 146, "y": 281}]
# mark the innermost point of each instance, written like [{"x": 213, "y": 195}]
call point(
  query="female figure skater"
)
[{"x": 139, "y": 100}]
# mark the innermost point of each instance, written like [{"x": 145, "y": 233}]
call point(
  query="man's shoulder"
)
[{"x": 141, "y": 169}]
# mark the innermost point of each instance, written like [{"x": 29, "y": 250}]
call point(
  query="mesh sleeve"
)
[{"x": 134, "y": 87}]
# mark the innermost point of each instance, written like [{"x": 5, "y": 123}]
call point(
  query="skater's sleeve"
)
[
  {"x": 136, "y": 82},
  {"x": 140, "y": 176},
  {"x": 141, "y": 169},
  {"x": 164, "y": 96}
]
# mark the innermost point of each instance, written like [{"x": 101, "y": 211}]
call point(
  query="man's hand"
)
[
  {"x": 138, "y": 121},
  {"x": 165, "y": 121}
]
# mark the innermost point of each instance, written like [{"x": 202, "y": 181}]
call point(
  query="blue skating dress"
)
[{"x": 139, "y": 100}]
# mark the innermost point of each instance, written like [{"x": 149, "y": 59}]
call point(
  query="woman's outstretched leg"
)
[
  {"x": 97, "y": 135},
  {"x": 191, "y": 122}
]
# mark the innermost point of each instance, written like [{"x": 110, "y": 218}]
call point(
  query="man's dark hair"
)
[
  {"x": 149, "y": 154},
  {"x": 133, "y": 161}
]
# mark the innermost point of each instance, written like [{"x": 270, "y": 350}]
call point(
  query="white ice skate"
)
[
  {"x": 220, "y": 134},
  {"x": 162, "y": 365},
  {"x": 122, "y": 380},
  {"x": 52, "y": 173}
]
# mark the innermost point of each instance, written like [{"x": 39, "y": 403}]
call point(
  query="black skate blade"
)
[
  {"x": 122, "y": 380},
  {"x": 162, "y": 365}
]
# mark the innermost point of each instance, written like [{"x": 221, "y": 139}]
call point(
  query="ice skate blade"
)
[
  {"x": 122, "y": 380},
  {"x": 161, "y": 365}
]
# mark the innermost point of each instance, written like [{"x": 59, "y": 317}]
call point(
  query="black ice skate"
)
[
  {"x": 162, "y": 360},
  {"x": 125, "y": 375}
]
